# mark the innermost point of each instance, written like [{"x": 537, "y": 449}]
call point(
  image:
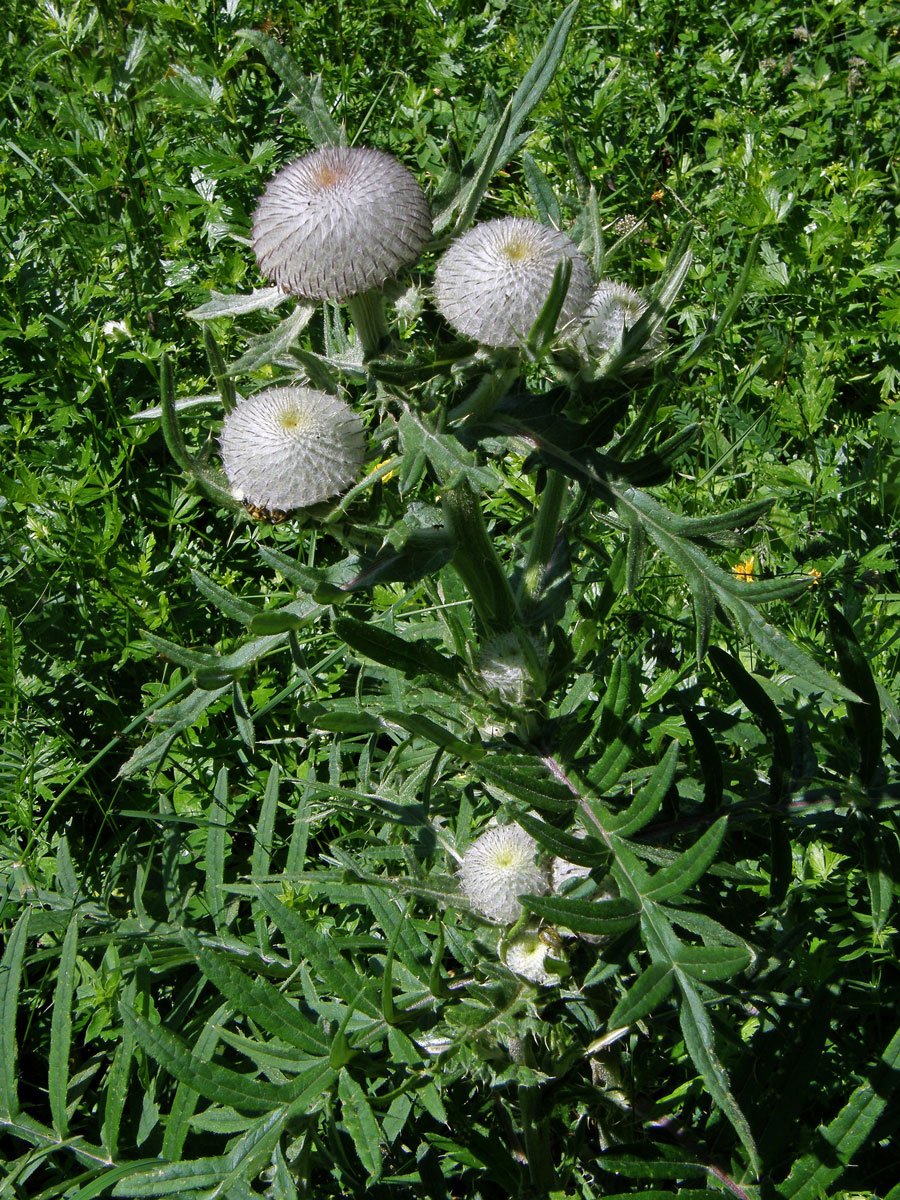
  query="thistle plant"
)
[{"x": 462, "y": 648}]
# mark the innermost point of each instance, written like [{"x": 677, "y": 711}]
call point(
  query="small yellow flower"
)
[
  {"x": 814, "y": 576},
  {"x": 744, "y": 570}
]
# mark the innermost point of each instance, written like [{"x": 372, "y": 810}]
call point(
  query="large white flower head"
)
[
  {"x": 498, "y": 868},
  {"x": 613, "y": 309},
  {"x": 289, "y": 447},
  {"x": 339, "y": 222},
  {"x": 492, "y": 283},
  {"x": 526, "y": 954}
]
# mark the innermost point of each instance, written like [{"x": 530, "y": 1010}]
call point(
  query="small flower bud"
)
[
  {"x": 526, "y": 955},
  {"x": 505, "y": 665},
  {"x": 613, "y": 309}
]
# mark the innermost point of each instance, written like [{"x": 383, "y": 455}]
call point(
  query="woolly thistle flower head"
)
[
  {"x": 526, "y": 955},
  {"x": 613, "y": 309},
  {"x": 492, "y": 283},
  {"x": 498, "y": 868},
  {"x": 339, "y": 222},
  {"x": 289, "y": 447},
  {"x": 504, "y": 664}
]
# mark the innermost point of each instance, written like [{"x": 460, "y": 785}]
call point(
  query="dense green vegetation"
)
[{"x": 236, "y": 962}]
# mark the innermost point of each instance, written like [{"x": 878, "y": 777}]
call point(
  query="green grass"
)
[{"x": 263, "y": 870}]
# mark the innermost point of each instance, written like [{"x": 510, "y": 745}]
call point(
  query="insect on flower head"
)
[{"x": 526, "y": 955}]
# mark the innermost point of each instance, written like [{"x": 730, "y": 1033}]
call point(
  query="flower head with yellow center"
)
[
  {"x": 499, "y": 867},
  {"x": 492, "y": 283},
  {"x": 290, "y": 447}
]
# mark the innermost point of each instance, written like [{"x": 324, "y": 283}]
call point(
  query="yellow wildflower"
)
[{"x": 744, "y": 570}]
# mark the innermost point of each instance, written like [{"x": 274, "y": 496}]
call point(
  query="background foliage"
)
[{"x": 268, "y": 884}]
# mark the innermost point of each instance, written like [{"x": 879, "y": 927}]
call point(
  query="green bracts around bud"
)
[{"x": 475, "y": 561}]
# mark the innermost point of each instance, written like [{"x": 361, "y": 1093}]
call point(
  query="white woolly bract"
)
[
  {"x": 339, "y": 222},
  {"x": 498, "y": 868},
  {"x": 526, "y": 955},
  {"x": 492, "y": 283},
  {"x": 290, "y": 447},
  {"x": 613, "y": 309},
  {"x": 502, "y": 665},
  {"x": 561, "y": 871}
]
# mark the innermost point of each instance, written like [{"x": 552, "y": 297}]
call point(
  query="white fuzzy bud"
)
[
  {"x": 504, "y": 666},
  {"x": 339, "y": 222},
  {"x": 290, "y": 447},
  {"x": 613, "y": 309},
  {"x": 498, "y": 868},
  {"x": 492, "y": 283},
  {"x": 526, "y": 954}
]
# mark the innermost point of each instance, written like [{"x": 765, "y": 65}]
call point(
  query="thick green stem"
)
[
  {"x": 367, "y": 315},
  {"x": 544, "y": 535},
  {"x": 535, "y": 1131},
  {"x": 486, "y": 394},
  {"x": 475, "y": 560}
]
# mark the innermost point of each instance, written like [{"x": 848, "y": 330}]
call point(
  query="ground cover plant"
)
[{"x": 497, "y": 794}]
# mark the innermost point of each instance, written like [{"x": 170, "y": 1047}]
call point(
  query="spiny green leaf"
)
[
  {"x": 409, "y": 657},
  {"x": 224, "y": 384},
  {"x": 857, "y": 674},
  {"x": 236, "y": 305},
  {"x": 689, "y": 866},
  {"x": 215, "y": 1082},
  {"x": 646, "y": 803},
  {"x": 700, "y": 1042},
  {"x": 525, "y": 778},
  {"x": 835, "y": 1145},
  {"x": 262, "y": 1002},
  {"x": 542, "y": 193},
  {"x": 61, "y": 1028},
  {"x": 586, "y": 852},
  {"x": 178, "y": 1122},
  {"x": 360, "y": 1123},
  {"x": 706, "y": 963},
  {"x": 327, "y": 964},
  {"x": 307, "y": 93},
  {"x": 231, "y": 606},
  {"x": 650, "y": 1166},
  {"x": 10, "y": 977},
  {"x": 424, "y": 727},
  {"x": 649, "y": 990},
  {"x": 500, "y": 141},
  {"x": 585, "y": 916},
  {"x": 757, "y": 700}
]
